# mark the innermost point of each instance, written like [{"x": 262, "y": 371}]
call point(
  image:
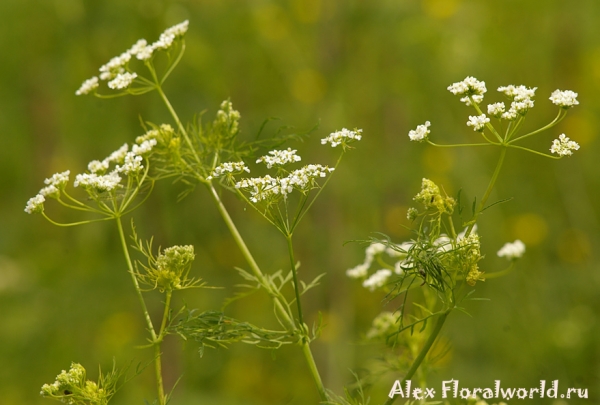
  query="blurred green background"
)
[{"x": 380, "y": 65}]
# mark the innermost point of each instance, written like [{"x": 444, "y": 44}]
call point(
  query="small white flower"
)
[
  {"x": 279, "y": 158},
  {"x": 59, "y": 180},
  {"x": 563, "y": 146},
  {"x": 260, "y": 188},
  {"x": 469, "y": 87},
  {"x": 145, "y": 147},
  {"x": 228, "y": 167},
  {"x": 344, "y": 136},
  {"x": 304, "y": 179},
  {"x": 377, "y": 279},
  {"x": 359, "y": 271},
  {"x": 106, "y": 182},
  {"x": 496, "y": 110},
  {"x": 564, "y": 99},
  {"x": 132, "y": 164},
  {"x": 115, "y": 66},
  {"x": 96, "y": 166},
  {"x": 88, "y": 86},
  {"x": 141, "y": 50},
  {"x": 122, "y": 81},
  {"x": 35, "y": 204},
  {"x": 178, "y": 30},
  {"x": 513, "y": 250},
  {"x": 119, "y": 155},
  {"x": 420, "y": 133},
  {"x": 478, "y": 122},
  {"x": 50, "y": 191}
]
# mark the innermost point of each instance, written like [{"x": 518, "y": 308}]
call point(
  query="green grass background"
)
[{"x": 380, "y": 65}]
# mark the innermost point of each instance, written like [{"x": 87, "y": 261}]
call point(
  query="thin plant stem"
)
[
  {"x": 295, "y": 278},
  {"x": 488, "y": 191},
  {"x": 314, "y": 371},
  {"x": 150, "y": 326},
  {"x": 428, "y": 344},
  {"x": 247, "y": 255}
]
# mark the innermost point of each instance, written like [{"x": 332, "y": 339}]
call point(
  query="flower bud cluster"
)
[
  {"x": 172, "y": 268},
  {"x": 71, "y": 387},
  {"x": 227, "y": 121},
  {"x": 470, "y": 252},
  {"x": 431, "y": 197},
  {"x": 116, "y": 71}
]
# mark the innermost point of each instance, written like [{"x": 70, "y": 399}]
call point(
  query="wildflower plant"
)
[{"x": 442, "y": 261}]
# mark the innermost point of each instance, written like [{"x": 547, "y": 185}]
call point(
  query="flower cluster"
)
[
  {"x": 270, "y": 188},
  {"x": 470, "y": 89},
  {"x": 228, "y": 168},
  {"x": 99, "y": 179},
  {"x": 563, "y": 146},
  {"x": 378, "y": 279},
  {"x": 512, "y": 250},
  {"x": 564, "y": 99},
  {"x": 478, "y": 122},
  {"x": 116, "y": 71},
  {"x": 383, "y": 325},
  {"x": 420, "y": 133},
  {"x": 343, "y": 137},
  {"x": 522, "y": 102},
  {"x": 279, "y": 158},
  {"x": 171, "y": 268},
  {"x": 431, "y": 197},
  {"x": 71, "y": 387}
]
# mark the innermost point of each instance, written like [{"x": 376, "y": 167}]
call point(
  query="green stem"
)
[
  {"x": 417, "y": 362},
  {"x": 314, "y": 371},
  {"x": 488, "y": 191},
  {"x": 157, "y": 352},
  {"x": 247, "y": 255},
  {"x": 150, "y": 326},
  {"x": 295, "y": 278}
]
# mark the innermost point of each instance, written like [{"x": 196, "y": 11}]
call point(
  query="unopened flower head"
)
[
  {"x": 343, "y": 137},
  {"x": 478, "y": 122},
  {"x": 431, "y": 197},
  {"x": 279, "y": 158},
  {"x": 122, "y": 81},
  {"x": 227, "y": 120},
  {"x": 35, "y": 204},
  {"x": 377, "y": 279},
  {"x": 232, "y": 168},
  {"x": 420, "y": 134},
  {"x": 88, "y": 86},
  {"x": 470, "y": 88},
  {"x": 564, "y": 99},
  {"x": 512, "y": 250},
  {"x": 563, "y": 146}
]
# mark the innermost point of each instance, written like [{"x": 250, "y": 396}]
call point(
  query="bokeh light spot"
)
[
  {"x": 440, "y": 9},
  {"x": 308, "y": 86},
  {"x": 573, "y": 246},
  {"x": 530, "y": 228}
]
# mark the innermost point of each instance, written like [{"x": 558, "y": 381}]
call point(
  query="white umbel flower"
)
[
  {"x": 279, "y": 158},
  {"x": 469, "y": 87},
  {"x": 564, "y": 99},
  {"x": 420, "y": 134},
  {"x": 58, "y": 180},
  {"x": 88, "y": 86},
  {"x": 35, "y": 204},
  {"x": 344, "y": 136},
  {"x": 228, "y": 167},
  {"x": 122, "y": 81},
  {"x": 496, "y": 110},
  {"x": 478, "y": 122},
  {"x": 377, "y": 279},
  {"x": 145, "y": 147},
  {"x": 512, "y": 250},
  {"x": 563, "y": 146},
  {"x": 106, "y": 182}
]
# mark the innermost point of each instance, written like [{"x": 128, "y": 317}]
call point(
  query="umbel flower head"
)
[
  {"x": 170, "y": 270},
  {"x": 117, "y": 71},
  {"x": 470, "y": 89},
  {"x": 72, "y": 387},
  {"x": 343, "y": 137},
  {"x": 513, "y": 250},
  {"x": 563, "y": 146},
  {"x": 420, "y": 134}
]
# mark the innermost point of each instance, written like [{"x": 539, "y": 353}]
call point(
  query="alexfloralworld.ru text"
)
[{"x": 452, "y": 389}]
